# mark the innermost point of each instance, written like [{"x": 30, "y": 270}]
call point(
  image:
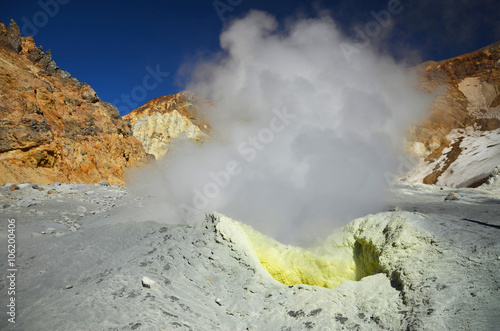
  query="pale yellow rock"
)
[
  {"x": 159, "y": 121},
  {"x": 157, "y": 130},
  {"x": 480, "y": 96}
]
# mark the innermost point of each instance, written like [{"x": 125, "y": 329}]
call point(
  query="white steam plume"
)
[{"x": 302, "y": 140}]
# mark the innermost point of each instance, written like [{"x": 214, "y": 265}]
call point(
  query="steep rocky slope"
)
[
  {"x": 466, "y": 108},
  {"x": 54, "y": 128},
  {"x": 162, "y": 119}
]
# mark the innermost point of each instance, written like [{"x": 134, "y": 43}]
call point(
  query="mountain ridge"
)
[{"x": 54, "y": 128}]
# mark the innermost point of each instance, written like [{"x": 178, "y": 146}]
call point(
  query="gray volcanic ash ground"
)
[{"x": 82, "y": 261}]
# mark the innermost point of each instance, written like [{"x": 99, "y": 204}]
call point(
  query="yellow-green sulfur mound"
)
[
  {"x": 294, "y": 265},
  {"x": 345, "y": 255}
]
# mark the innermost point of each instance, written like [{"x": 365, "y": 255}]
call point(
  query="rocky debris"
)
[
  {"x": 81, "y": 209},
  {"x": 452, "y": 196},
  {"x": 149, "y": 283},
  {"x": 493, "y": 180},
  {"x": 14, "y": 187},
  {"x": 60, "y": 207},
  {"x": 49, "y": 231},
  {"x": 165, "y": 118},
  {"x": 54, "y": 128}
]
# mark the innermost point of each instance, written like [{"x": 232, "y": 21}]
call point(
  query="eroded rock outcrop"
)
[
  {"x": 54, "y": 128},
  {"x": 466, "y": 107},
  {"x": 162, "y": 119}
]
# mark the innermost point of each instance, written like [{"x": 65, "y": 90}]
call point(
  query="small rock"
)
[
  {"x": 50, "y": 231},
  {"x": 5, "y": 206},
  {"x": 452, "y": 196},
  {"x": 13, "y": 37},
  {"x": 57, "y": 184},
  {"x": 73, "y": 229},
  {"x": 69, "y": 286},
  {"x": 149, "y": 283},
  {"x": 103, "y": 183},
  {"x": 77, "y": 226},
  {"x": 59, "y": 234},
  {"x": 218, "y": 301},
  {"x": 64, "y": 74},
  {"x": 81, "y": 209},
  {"x": 27, "y": 202},
  {"x": 36, "y": 234},
  {"x": 35, "y": 187},
  {"x": 14, "y": 187},
  {"x": 41, "y": 189}
]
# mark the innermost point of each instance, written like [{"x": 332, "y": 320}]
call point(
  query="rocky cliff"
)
[
  {"x": 466, "y": 109},
  {"x": 162, "y": 119},
  {"x": 54, "y": 128}
]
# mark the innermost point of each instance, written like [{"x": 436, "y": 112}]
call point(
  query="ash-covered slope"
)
[
  {"x": 431, "y": 266},
  {"x": 162, "y": 119},
  {"x": 458, "y": 142},
  {"x": 54, "y": 128}
]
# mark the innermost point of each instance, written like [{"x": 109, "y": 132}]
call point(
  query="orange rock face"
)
[
  {"x": 452, "y": 107},
  {"x": 54, "y": 128},
  {"x": 467, "y": 89}
]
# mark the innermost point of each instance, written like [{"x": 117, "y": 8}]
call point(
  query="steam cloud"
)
[{"x": 302, "y": 140}]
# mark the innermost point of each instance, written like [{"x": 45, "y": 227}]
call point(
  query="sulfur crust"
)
[
  {"x": 294, "y": 265},
  {"x": 364, "y": 247}
]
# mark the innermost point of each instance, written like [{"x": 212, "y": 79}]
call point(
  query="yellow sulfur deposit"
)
[{"x": 326, "y": 266}]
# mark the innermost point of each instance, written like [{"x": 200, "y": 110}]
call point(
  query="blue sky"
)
[{"x": 114, "y": 45}]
